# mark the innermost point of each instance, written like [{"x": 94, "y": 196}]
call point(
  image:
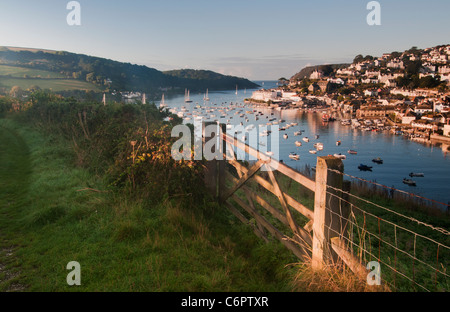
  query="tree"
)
[
  {"x": 327, "y": 70},
  {"x": 16, "y": 92},
  {"x": 358, "y": 59},
  {"x": 34, "y": 88}
]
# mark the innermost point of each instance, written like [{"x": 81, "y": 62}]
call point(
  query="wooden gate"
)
[{"x": 311, "y": 233}]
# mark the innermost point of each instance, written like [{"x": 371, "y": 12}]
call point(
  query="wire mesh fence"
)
[{"x": 413, "y": 254}]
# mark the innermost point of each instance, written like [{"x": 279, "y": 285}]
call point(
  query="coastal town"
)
[{"x": 405, "y": 93}]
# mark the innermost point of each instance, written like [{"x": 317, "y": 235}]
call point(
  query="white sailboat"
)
[
  {"x": 206, "y": 98},
  {"x": 187, "y": 97},
  {"x": 236, "y": 89},
  {"x": 163, "y": 103}
]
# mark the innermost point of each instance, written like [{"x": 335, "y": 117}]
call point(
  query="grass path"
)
[
  {"x": 14, "y": 179},
  {"x": 49, "y": 217}
]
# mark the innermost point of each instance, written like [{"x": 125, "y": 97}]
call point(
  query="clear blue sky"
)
[{"x": 256, "y": 39}]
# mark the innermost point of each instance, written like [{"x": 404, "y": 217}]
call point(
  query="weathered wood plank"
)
[
  {"x": 253, "y": 170},
  {"x": 295, "y": 228},
  {"x": 309, "y": 226},
  {"x": 262, "y": 202},
  {"x": 266, "y": 184},
  {"x": 322, "y": 252},
  {"x": 339, "y": 247},
  {"x": 305, "y": 181}
]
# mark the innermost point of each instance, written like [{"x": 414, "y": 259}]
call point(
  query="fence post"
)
[
  {"x": 214, "y": 175},
  {"x": 327, "y": 221},
  {"x": 221, "y": 163}
]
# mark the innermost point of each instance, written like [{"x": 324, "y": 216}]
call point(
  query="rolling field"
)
[
  {"x": 20, "y": 72},
  {"x": 52, "y": 84},
  {"x": 23, "y": 77}
]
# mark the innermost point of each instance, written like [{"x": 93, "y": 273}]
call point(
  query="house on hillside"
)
[
  {"x": 314, "y": 87},
  {"x": 408, "y": 117},
  {"x": 423, "y": 109},
  {"x": 375, "y": 111},
  {"x": 447, "y": 130},
  {"x": 316, "y": 75}
]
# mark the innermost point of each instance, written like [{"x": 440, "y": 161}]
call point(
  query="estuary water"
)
[{"x": 400, "y": 155}]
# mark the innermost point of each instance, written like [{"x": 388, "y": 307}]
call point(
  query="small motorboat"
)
[
  {"x": 298, "y": 143},
  {"x": 338, "y": 143},
  {"x": 364, "y": 167},
  {"x": 313, "y": 151},
  {"x": 352, "y": 152},
  {"x": 378, "y": 160},
  {"x": 409, "y": 182},
  {"x": 306, "y": 139},
  {"x": 340, "y": 156},
  {"x": 294, "y": 156},
  {"x": 285, "y": 136},
  {"x": 419, "y": 175},
  {"x": 318, "y": 146}
]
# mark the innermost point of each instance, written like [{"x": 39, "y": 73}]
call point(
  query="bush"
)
[{"x": 102, "y": 137}]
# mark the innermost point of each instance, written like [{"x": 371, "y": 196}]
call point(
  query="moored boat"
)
[
  {"x": 419, "y": 175},
  {"x": 409, "y": 182},
  {"x": 378, "y": 160},
  {"x": 364, "y": 167},
  {"x": 318, "y": 146},
  {"x": 352, "y": 152},
  {"x": 340, "y": 156}
]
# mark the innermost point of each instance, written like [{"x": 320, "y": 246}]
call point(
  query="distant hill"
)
[
  {"x": 307, "y": 71},
  {"x": 209, "y": 79},
  {"x": 58, "y": 69}
]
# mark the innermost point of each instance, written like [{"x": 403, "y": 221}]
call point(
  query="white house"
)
[
  {"x": 290, "y": 96},
  {"x": 338, "y": 81},
  {"x": 394, "y": 64},
  {"x": 447, "y": 130},
  {"x": 266, "y": 95},
  {"x": 422, "y": 109},
  {"x": 370, "y": 93},
  {"x": 408, "y": 118},
  {"x": 315, "y": 75}
]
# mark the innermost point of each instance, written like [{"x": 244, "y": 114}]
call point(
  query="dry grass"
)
[{"x": 334, "y": 277}]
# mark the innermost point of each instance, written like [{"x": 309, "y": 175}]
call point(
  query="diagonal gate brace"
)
[{"x": 248, "y": 175}]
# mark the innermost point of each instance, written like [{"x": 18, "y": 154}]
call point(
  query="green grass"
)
[
  {"x": 20, "y": 72},
  {"x": 52, "y": 213},
  {"x": 55, "y": 85}
]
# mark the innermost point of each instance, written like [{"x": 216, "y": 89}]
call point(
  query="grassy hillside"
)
[
  {"x": 22, "y": 72},
  {"x": 105, "y": 74},
  {"x": 69, "y": 192},
  {"x": 55, "y": 85}
]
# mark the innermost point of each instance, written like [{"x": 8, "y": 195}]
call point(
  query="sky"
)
[{"x": 255, "y": 39}]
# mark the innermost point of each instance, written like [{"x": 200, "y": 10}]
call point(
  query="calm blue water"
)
[{"x": 401, "y": 156}]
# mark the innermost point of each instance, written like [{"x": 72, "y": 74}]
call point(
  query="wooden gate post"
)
[
  {"x": 327, "y": 220},
  {"x": 214, "y": 175}
]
